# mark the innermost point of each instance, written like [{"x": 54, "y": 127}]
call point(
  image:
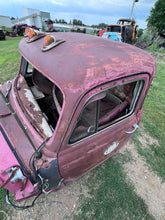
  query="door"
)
[{"x": 104, "y": 121}]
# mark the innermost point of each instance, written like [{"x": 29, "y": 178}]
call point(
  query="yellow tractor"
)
[{"x": 131, "y": 28}]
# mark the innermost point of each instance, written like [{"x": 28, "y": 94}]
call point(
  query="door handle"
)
[{"x": 135, "y": 126}]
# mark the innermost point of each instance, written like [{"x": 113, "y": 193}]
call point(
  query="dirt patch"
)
[
  {"x": 159, "y": 57},
  {"x": 146, "y": 139},
  {"x": 59, "y": 205},
  {"x": 147, "y": 184}
]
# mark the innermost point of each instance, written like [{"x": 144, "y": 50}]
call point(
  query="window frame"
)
[
  {"x": 116, "y": 83},
  {"x": 23, "y": 71}
]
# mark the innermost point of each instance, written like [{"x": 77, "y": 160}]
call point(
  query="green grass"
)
[
  {"x": 154, "y": 120},
  {"x": 154, "y": 105},
  {"x": 9, "y": 64},
  {"x": 111, "y": 195},
  {"x": 2, "y": 204},
  {"x": 9, "y": 58}
]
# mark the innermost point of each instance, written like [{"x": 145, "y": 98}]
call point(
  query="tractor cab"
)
[{"x": 131, "y": 28}]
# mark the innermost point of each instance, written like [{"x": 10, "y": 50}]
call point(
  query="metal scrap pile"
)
[{"x": 158, "y": 39}]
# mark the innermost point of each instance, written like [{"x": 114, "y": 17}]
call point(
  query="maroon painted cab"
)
[{"x": 73, "y": 104}]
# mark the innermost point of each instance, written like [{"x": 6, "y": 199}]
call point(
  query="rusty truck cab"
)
[{"x": 73, "y": 104}]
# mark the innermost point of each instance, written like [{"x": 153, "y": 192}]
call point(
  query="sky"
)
[{"x": 88, "y": 11}]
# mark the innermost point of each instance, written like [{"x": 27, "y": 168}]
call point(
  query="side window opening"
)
[
  {"x": 117, "y": 103},
  {"x": 41, "y": 99},
  {"x": 86, "y": 124},
  {"x": 107, "y": 108}
]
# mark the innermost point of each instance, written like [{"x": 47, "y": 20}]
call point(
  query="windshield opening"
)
[
  {"x": 114, "y": 29},
  {"x": 40, "y": 99}
]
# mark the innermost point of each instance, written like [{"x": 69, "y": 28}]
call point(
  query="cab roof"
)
[
  {"x": 84, "y": 61},
  {"x": 126, "y": 20}
]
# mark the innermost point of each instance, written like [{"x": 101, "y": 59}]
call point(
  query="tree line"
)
[
  {"x": 80, "y": 23},
  {"x": 71, "y": 22}
]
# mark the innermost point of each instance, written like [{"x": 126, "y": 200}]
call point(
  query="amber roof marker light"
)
[
  {"x": 50, "y": 41},
  {"x": 34, "y": 35},
  {"x": 27, "y": 30}
]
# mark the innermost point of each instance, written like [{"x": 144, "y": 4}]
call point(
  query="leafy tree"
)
[
  {"x": 61, "y": 21},
  {"x": 77, "y": 22},
  {"x": 74, "y": 22},
  {"x": 56, "y": 21},
  {"x": 157, "y": 16},
  {"x": 140, "y": 32},
  {"x": 102, "y": 26}
]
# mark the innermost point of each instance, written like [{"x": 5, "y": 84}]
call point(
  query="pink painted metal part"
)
[{"x": 7, "y": 161}]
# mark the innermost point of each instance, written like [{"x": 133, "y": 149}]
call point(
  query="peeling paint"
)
[
  {"x": 30, "y": 98},
  {"x": 46, "y": 128}
]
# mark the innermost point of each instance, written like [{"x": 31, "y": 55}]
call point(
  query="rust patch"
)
[{"x": 32, "y": 109}]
